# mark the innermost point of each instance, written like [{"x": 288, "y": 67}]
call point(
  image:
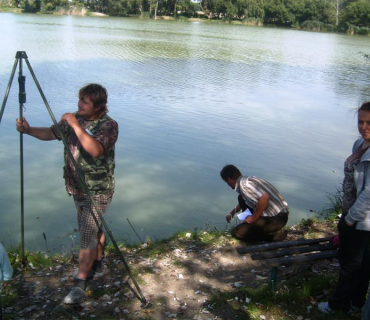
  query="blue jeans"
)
[{"x": 354, "y": 260}]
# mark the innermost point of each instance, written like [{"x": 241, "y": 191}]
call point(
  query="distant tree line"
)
[{"x": 328, "y": 15}]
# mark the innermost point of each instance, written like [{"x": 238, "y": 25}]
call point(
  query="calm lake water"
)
[{"x": 189, "y": 98}]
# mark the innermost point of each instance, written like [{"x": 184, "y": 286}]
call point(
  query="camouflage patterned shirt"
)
[{"x": 98, "y": 173}]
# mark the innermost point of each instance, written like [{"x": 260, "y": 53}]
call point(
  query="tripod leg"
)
[
  {"x": 41, "y": 93},
  {"x": 8, "y": 88}
]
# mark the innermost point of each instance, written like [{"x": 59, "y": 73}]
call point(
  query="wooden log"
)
[
  {"x": 292, "y": 250},
  {"x": 276, "y": 245},
  {"x": 299, "y": 259}
]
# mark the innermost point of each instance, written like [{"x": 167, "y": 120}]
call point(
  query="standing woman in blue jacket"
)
[{"x": 354, "y": 225}]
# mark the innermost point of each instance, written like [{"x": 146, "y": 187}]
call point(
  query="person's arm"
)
[
  {"x": 41, "y": 133},
  {"x": 5, "y": 265},
  {"x": 262, "y": 204},
  {"x": 360, "y": 209},
  {"x": 90, "y": 145},
  {"x": 232, "y": 213}
]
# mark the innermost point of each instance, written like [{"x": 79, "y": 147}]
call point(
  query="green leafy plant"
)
[{"x": 333, "y": 208}]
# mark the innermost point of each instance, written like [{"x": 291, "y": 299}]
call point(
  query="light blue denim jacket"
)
[
  {"x": 360, "y": 211},
  {"x": 6, "y": 270}
]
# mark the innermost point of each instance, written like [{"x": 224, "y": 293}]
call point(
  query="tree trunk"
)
[{"x": 155, "y": 11}]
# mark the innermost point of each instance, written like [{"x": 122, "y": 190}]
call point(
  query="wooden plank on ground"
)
[
  {"x": 292, "y": 250},
  {"x": 299, "y": 259},
  {"x": 276, "y": 245}
]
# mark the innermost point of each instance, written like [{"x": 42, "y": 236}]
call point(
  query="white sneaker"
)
[
  {"x": 76, "y": 296},
  {"x": 324, "y": 308}
]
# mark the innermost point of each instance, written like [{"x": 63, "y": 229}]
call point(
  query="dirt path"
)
[{"x": 181, "y": 278}]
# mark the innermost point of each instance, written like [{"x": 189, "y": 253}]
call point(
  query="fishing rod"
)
[
  {"x": 22, "y": 55},
  {"x": 142, "y": 242}
]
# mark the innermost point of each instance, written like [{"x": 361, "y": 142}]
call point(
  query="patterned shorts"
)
[{"x": 87, "y": 224}]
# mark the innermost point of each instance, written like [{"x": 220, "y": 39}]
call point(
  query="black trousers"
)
[
  {"x": 263, "y": 229},
  {"x": 354, "y": 260}
]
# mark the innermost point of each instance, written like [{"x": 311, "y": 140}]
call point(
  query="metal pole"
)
[{"x": 22, "y": 100}]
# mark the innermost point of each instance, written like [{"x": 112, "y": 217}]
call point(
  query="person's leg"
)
[
  {"x": 351, "y": 253},
  {"x": 85, "y": 261},
  {"x": 358, "y": 296},
  {"x": 241, "y": 231},
  {"x": 272, "y": 227},
  {"x": 92, "y": 236},
  {"x": 100, "y": 248},
  {"x": 245, "y": 231},
  {"x": 272, "y": 224},
  {"x": 97, "y": 266},
  {"x": 89, "y": 225},
  {"x": 366, "y": 310}
]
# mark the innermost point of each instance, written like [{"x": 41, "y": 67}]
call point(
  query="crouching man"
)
[{"x": 268, "y": 210}]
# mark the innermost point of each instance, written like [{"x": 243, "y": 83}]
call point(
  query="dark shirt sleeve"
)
[
  {"x": 107, "y": 134},
  {"x": 63, "y": 127}
]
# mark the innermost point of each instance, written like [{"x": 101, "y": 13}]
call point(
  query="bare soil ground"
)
[{"x": 182, "y": 279}]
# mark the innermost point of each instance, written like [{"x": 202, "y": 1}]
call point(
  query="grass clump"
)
[{"x": 333, "y": 208}]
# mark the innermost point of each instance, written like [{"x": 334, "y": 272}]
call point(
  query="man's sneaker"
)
[
  {"x": 324, "y": 308},
  {"x": 92, "y": 274},
  {"x": 75, "y": 296}
]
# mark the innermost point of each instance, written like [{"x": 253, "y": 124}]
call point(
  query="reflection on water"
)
[{"x": 189, "y": 98}]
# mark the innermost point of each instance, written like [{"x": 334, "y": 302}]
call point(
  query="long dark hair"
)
[{"x": 364, "y": 107}]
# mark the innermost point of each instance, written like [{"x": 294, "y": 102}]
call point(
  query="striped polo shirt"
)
[{"x": 252, "y": 188}]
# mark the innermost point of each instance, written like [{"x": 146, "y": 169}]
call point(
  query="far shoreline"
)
[{"x": 312, "y": 26}]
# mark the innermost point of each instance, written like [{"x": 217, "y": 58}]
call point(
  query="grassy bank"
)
[{"x": 192, "y": 275}]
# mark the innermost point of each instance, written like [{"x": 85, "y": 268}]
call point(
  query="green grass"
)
[
  {"x": 292, "y": 298},
  {"x": 33, "y": 260}
]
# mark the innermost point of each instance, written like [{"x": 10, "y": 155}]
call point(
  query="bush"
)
[
  {"x": 351, "y": 29},
  {"x": 318, "y": 26},
  {"x": 363, "y": 31}
]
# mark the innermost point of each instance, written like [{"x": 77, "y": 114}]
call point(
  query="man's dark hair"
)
[
  {"x": 97, "y": 94},
  {"x": 230, "y": 171}
]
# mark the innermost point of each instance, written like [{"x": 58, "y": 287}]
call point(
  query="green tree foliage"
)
[
  {"x": 254, "y": 9},
  {"x": 357, "y": 13},
  {"x": 30, "y": 5},
  {"x": 50, "y": 6},
  {"x": 352, "y": 16}
]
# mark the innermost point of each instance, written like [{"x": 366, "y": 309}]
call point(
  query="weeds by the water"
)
[
  {"x": 333, "y": 209},
  {"x": 34, "y": 260}
]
